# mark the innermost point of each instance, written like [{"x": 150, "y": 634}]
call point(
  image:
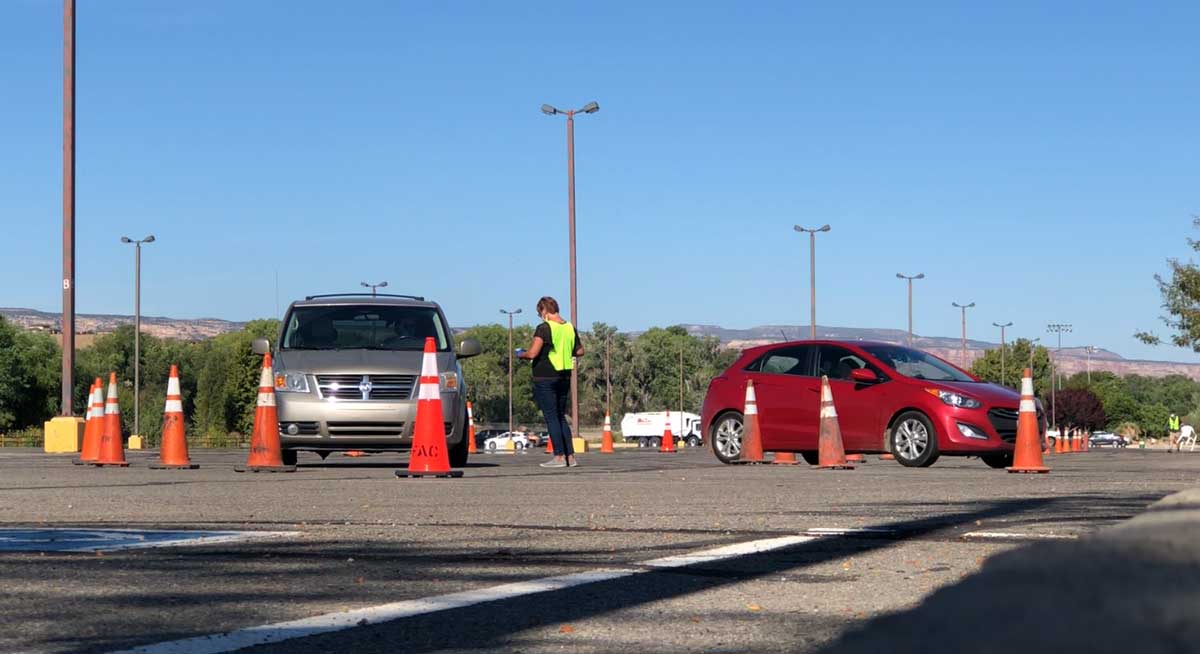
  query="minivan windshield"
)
[
  {"x": 916, "y": 364},
  {"x": 364, "y": 327}
]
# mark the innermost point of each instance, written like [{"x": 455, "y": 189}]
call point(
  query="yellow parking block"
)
[
  {"x": 136, "y": 443},
  {"x": 63, "y": 434},
  {"x": 579, "y": 444}
]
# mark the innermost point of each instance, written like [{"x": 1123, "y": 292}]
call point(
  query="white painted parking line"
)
[
  {"x": 849, "y": 531},
  {"x": 1015, "y": 535},
  {"x": 330, "y": 622}
]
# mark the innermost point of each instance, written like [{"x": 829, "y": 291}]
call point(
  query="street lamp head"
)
[
  {"x": 591, "y": 107},
  {"x": 549, "y": 110},
  {"x": 364, "y": 285},
  {"x": 920, "y": 276},
  {"x": 148, "y": 239},
  {"x": 382, "y": 284},
  {"x": 518, "y": 311},
  {"x": 899, "y": 276},
  {"x": 126, "y": 239},
  {"x": 825, "y": 228}
]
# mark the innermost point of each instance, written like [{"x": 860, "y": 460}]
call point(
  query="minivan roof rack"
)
[{"x": 407, "y": 297}]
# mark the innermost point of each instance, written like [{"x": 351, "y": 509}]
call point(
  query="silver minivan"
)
[{"x": 347, "y": 369}]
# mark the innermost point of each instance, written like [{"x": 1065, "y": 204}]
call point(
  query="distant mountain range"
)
[{"x": 1070, "y": 360}]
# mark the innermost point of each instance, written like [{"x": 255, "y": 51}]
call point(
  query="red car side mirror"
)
[{"x": 864, "y": 376}]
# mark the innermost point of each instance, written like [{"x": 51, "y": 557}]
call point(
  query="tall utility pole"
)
[
  {"x": 681, "y": 387},
  {"x": 510, "y": 314},
  {"x": 1033, "y": 348},
  {"x": 910, "y": 279},
  {"x": 374, "y": 287},
  {"x": 1055, "y": 328},
  {"x": 549, "y": 110},
  {"x": 68, "y": 211},
  {"x": 137, "y": 329},
  {"x": 812, "y": 274},
  {"x": 1090, "y": 351},
  {"x": 1003, "y": 376},
  {"x": 964, "y": 308}
]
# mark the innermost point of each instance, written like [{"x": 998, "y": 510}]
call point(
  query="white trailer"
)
[{"x": 646, "y": 428}]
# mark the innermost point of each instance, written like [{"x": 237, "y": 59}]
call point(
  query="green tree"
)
[
  {"x": 1181, "y": 301},
  {"x": 29, "y": 377},
  {"x": 1016, "y": 358}
]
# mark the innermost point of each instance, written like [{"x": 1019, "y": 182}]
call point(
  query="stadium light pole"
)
[
  {"x": 137, "y": 328},
  {"x": 68, "y": 212},
  {"x": 1090, "y": 350},
  {"x": 1033, "y": 348},
  {"x": 1055, "y": 328},
  {"x": 812, "y": 273},
  {"x": 550, "y": 110},
  {"x": 510, "y": 315},
  {"x": 964, "y": 308},
  {"x": 910, "y": 279},
  {"x": 1002, "y": 326},
  {"x": 373, "y": 287}
]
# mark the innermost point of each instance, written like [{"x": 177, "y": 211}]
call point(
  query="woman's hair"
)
[{"x": 547, "y": 305}]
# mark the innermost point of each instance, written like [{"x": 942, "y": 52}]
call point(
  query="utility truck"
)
[{"x": 646, "y": 428}]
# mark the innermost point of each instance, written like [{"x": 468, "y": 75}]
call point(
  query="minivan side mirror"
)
[
  {"x": 864, "y": 376},
  {"x": 469, "y": 348},
  {"x": 261, "y": 346}
]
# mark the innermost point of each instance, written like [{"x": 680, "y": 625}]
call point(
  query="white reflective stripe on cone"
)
[
  {"x": 828, "y": 411},
  {"x": 826, "y": 393},
  {"x": 173, "y": 386},
  {"x": 1027, "y": 386},
  {"x": 266, "y": 398},
  {"x": 429, "y": 391},
  {"x": 1028, "y": 406},
  {"x": 174, "y": 406},
  {"x": 267, "y": 378},
  {"x": 429, "y": 365}
]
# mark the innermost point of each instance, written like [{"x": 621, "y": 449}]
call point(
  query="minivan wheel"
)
[
  {"x": 727, "y": 437},
  {"x": 458, "y": 451},
  {"x": 811, "y": 458},
  {"x": 914, "y": 442},
  {"x": 288, "y": 456}
]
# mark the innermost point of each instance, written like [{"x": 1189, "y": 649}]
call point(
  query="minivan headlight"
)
[
  {"x": 291, "y": 382},
  {"x": 954, "y": 399}
]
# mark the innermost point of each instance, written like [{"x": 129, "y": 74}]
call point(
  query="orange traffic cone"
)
[
  {"x": 429, "y": 457},
  {"x": 1027, "y": 456},
  {"x": 856, "y": 458},
  {"x": 606, "y": 441},
  {"x": 471, "y": 449},
  {"x": 1058, "y": 443},
  {"x": 94, "y": 426},
  {"x": 1087, "y": 441},
  {"x": 1076, "y": 442},
  {"x": 173, "y": 451},
  {"x": 112, "y": 446},
  {"x": 831, "y": 455},
  {"x": 265, "y": 452},
  {"x": 668, "y": 439},
  {"x": 784, "y": 459},
  {"x": 887, "y": 457},
  {"x": 752, "y": 450}
]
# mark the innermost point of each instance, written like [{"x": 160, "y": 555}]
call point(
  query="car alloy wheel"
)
[
  {"x": 727, "y": 438},
  {"x": 912, "y": 439}
]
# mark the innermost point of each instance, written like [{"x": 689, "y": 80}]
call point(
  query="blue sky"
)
[{"x": 1036, "y": 158}]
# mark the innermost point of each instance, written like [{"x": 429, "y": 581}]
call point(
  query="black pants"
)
[{"x": 552, "y": 396}]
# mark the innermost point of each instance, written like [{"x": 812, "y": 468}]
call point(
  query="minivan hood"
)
[
  {"x": 358, "y": 361},
  {"x": 985, "y": 392}
]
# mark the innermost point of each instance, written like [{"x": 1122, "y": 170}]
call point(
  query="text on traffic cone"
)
[{"x": 429, "y": 456}]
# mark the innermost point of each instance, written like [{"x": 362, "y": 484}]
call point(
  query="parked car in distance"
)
[
  {"x": 889, "y": 398},
  {"x": 1107, "y": 439},
  {"x": 518, "y": 441}
]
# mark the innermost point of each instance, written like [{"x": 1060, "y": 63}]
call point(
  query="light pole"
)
[
  {"x": 964, "y": 308},
  {"x": 1055, "y": 328},
  {"x": 910, "y": 279},
  {"x": 608, "y": 375},
  {"x": 373, "y": 287},
  {"x": 812, "y": 273},
  {"x": 510, "y": 315},
  {"x": 137, "y": 327},
  {"x": 68, "y": 211},
  {"x": 1091, "y": 349},
  {"x": 550, "y": 110},
  {"x": 1003, "y": 377},
  {"x": 1033, "y": 348}
]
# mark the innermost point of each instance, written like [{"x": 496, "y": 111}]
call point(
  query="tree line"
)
[
  {"x": 1130, "y": 404},
  {"x": 219, "y": 376}
]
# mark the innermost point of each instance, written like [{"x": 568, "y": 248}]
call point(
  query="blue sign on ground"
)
[{"x": 105, "y": 540}]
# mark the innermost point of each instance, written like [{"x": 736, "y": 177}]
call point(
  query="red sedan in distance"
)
[{"x": 889, "y": 398}]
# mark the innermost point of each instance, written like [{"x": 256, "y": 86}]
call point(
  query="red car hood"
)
[{"x": 985, "y": 392}]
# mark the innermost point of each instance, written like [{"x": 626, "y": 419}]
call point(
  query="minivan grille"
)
[
  {"x": 337, "y": 429},
  {"x": 366, "y": 387}
]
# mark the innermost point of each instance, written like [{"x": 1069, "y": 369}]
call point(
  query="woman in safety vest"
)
[{"x": 553, "y": 350}]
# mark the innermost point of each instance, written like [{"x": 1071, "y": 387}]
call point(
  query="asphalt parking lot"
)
[{"x": 635, "y": 551}]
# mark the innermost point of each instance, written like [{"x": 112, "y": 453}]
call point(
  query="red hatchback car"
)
[{"x": 889, "y": 398}]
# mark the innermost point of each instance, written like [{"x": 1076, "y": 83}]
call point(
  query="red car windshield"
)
[{"x": 916, "y": 364}]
